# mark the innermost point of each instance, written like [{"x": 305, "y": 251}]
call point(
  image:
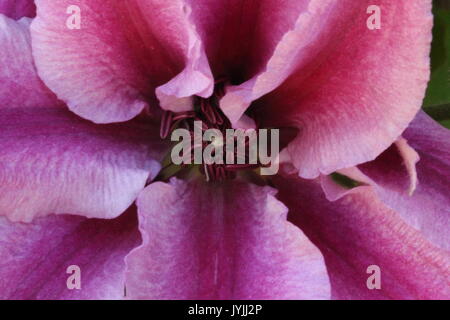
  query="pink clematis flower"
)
[{"x": 82, "y": 112}]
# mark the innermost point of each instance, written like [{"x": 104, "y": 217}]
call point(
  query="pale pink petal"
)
[
  {"x": 51, "y": 161},
  {"x": 410, "y": 158},
  {"x": 20, "y": 85},
  {"x": 108, "y": 70},
  {"x": 358, "y": 231},
  {"x": 334, "y": 191},
  {"x": 355, "y": 96},
  {"x": 17, "y": 9},
  {"x": 36, "y": 257},
  {"x": 220, "y": 241},
  {"x": 395, "y": 169},
  {"x": 427, "y": 208}
]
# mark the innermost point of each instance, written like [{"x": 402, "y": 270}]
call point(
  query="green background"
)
[{"x": 437, "y": 100}]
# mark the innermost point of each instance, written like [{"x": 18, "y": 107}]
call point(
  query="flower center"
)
[{"x": 208, "y": 113}]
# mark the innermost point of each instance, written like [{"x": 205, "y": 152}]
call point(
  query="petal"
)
[
  {"x": 358, "y": 231},
  {"x": 394, "y": 170},
  {"x": 410, "y": 158},
  {"x": 355, "y": 96},
  {"x": 35, "y": 257},
  {"x": 239, "y": 35},
  {"x": 107, "y": 70},
  {"x": 196, "y": 77},
  {"x": 51, "y": 161},
  {"x": 21, "y": 87},
  {"x": 228, "y": 241},
  {"x": 427, "y": 209},
  {"x": 294, "y": 50},
  {"x": 17, "y": 9}
]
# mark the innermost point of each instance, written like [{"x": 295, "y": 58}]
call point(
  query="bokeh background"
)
[{"x": 437, "y": 100}]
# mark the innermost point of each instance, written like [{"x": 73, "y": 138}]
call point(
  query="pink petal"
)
[
  {"x": 300, "y": 42},
  {"x": 196, "y": 77},
  {"x": 17, "y": 9},
  {"x": 395, "y": 169},
  {"x": 227, "y": 241},
  {"x": 20, "y": 85},
  {"x": 358, "y": 231},
  {"x": 51, "y": 161},
  {"x": 427, "y": 209},
  {"x": 240, "y": 36},
  {"x": 35, "y": 257},
  {"x": 356, "y": 90},
  {"x": 410, "y": 158},
  {"x": 107, "y": 71}
]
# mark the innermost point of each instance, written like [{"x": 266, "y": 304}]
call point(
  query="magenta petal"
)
[
  {"x": 303, "y": 38},
  {"x": 358, "y": 90},
  {"x": 240, "y": 36},
  {"x": 427, "y": 208},
  {"x": 358, "y": 231},
  {"x": 107, "y": 71},
  {"x": 227, "y": 241},
  {"x": 20, "y": 85},
  {"x": 394, "y": 170},
  {"x": 35, "y": 257},
  {"x": 17, "y": 9},
  {"x": 52, "y": 161}
]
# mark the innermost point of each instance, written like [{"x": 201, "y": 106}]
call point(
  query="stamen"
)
[
  {"x": 166, "y": 123},
  {"x": 206, "y": 111},
  {"x": 205, "y": 169},
  {"x": 236, "y": 167},
  {"x": 184, "y": 115}
]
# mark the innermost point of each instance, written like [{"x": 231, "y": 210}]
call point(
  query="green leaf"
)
[
  {"x": 344, "y": 181},
  {"x": 445, "y": 123},
  {"x": 440, "y": 113},
  {"x": 438, "y": 92}
]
